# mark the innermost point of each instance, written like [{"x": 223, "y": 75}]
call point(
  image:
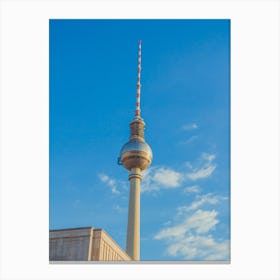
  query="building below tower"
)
[{"x": 84, "y": 244}]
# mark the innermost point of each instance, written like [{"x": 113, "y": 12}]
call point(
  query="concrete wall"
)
[
  {"x": 70, "y": 244},
  {"x": 106, "y": 249},
  {"x": 84, "y": 244}
]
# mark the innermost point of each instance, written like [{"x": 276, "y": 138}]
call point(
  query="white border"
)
[{"x": 254, "y": 130}]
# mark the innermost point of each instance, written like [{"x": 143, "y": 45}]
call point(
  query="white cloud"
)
[
  {"x": 167, "y": 177},
  {"x": 169, "y": 232},
  {"x": 109, "y": 181},
  {"x": 203, "y": 221},
  {"x": 200, "y": 247},
  {"x": 190, "y": 126},
  {"x": 157, "y": 178},
  {"x": 200, "y": 201},
  {"x": 200, "y": 221},
  {"x": 190, "y": 238},
  {"x": 201, "y": 173},
  {"x": 204, "y": 199},
  {"x": 192, "y": 189},
  {"x": 208, "y": 157},
  {"x": 203, "y": 169},
  {"x": 106, "y": 179}
]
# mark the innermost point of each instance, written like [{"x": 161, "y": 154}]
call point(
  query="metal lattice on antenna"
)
[{"x": 137, "y": 112}]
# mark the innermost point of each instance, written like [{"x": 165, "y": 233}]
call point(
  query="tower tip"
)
[{"x": 137, "y": 112}]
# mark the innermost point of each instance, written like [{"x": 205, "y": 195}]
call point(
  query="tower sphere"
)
[{"x": 136, "y": 154}]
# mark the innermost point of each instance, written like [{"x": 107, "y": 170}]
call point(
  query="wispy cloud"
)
[
  {"x": 118, "y": 208},
  {"x": 201, "y": 173},
  {"x": 203, "y": 168},
  {"x": 189, "y": 126},
  {"x": 190, "y": 140},
  {"x": 202, "y": 200},
  {"x": 208, "y": 157},
  {"x": 205, "y": 159},
  {"x": 192, "y": 189},
  {"x": 191, "y": 237},
  {"x": 110, "y": 182}
]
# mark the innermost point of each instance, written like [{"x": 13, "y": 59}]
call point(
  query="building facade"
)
[{"x": 84, "y": 244}]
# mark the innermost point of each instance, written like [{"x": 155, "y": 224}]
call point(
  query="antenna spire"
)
[{"x": 137, "y": 112}]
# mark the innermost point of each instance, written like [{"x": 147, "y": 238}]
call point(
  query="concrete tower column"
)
[{"x": 133, "y": 225}]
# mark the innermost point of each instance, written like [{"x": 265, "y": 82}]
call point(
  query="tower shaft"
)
[{"x": 133, "y": 224}]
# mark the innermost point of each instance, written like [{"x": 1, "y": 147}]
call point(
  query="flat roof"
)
[{"x": 77, "y": 228}]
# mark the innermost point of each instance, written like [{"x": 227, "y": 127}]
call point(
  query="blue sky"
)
[{"x": 185, "y": 102}]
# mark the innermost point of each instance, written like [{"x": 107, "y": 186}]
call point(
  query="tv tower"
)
[{"x": 136, "y": 155}]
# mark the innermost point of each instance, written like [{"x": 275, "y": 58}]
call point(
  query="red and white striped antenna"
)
[{"x": 138, "y": 93}]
